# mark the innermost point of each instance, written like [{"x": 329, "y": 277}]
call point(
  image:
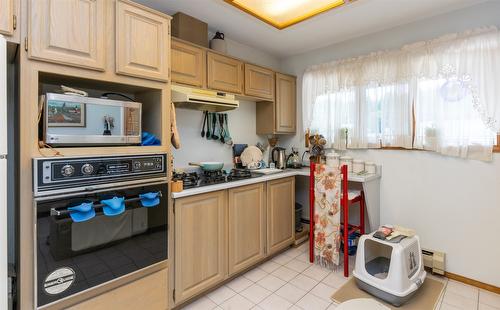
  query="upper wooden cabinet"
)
[
  {"x": 280, "y": 214},
  {"x": 285, "y": 107},
  {"x": 247, "y": 226},
  {"x": 188, "y": 64},
  {"x": 7, "y": 17},
  {"x": 224, "y": 73},
  {"x": 71, "y": 32},
  {"x": 142, "y": 41},
  {"x": 200, "y": 243},
  {"x": 259, "y": 82}
]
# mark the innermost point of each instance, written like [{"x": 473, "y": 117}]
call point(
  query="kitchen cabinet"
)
[
  {"x": 149, "y": 292},
  {"x": 247, "y": 226},
  {"x": 280, "y": 116},
  {"x": 280, "y": 214},
  {"x": 7, "y": 17},
  {"x": 224, "y": 73},
  {"x": 285, "y": 103},
  {"x": 200, "y": 243},
  {"x": 71, "y": 32},
  {"x": 259, "y": 82},
  {"x": 188, "y": 64},
  {"x": 142, "y": 41}
]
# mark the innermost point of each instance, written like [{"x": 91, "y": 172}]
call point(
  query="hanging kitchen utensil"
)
[
  {"x": 204, "y": 123},
  {"x": 175, "y": 138},
  {"x": 209, "y": 133},
  {"x": 222, "y": 130},
  {"x": 214, "y": 125},
  {"x": 227, "y": 137}
]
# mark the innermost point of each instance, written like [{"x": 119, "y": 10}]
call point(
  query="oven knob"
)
[
  {"x": 67, "y": 170},
  {"x": 87, "y": 169}
]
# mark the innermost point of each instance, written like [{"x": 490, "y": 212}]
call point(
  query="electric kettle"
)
[{"x": 278, "y": 156}]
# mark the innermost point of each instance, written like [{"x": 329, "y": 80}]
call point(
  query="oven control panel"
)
[{"x": 71, "y": 172}]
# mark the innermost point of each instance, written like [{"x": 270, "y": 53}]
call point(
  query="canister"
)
[
  {"x": 332, "y": 159},
  {"x": 358, "y": 166},
  {"x": 346, "y": 160},
  {"x": 370, "y": 167}
]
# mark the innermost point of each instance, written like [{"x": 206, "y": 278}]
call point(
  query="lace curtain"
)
[{"x": 448, "y": 87}]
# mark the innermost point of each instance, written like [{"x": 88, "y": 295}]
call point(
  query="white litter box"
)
[{"x": 390, "y": 271}]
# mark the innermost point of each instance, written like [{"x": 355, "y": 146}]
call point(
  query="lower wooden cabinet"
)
[
  {"x": 200, "y": 243},
  {"x": 280, "y": 214},
  {"x": 150, "y": 292},
  {"x": 247, "y": 226}
]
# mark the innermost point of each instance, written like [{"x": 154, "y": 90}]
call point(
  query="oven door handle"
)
[{"x": 56, "y": 212}]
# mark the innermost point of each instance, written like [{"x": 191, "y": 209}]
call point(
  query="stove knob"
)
[
  {"x": 87, "y": 169},
  {"x": 67, "y": 170}
]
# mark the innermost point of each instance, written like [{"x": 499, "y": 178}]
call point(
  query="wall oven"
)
[{"x": 97, "y": 219}]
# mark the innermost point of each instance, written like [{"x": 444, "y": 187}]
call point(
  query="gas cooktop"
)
[{"x": 194, "y": 179}]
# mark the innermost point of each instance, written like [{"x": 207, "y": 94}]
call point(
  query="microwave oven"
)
[{"x": 72, "y": 120}]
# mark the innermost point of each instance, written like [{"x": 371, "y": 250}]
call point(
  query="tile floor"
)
[{"x": 289, "y": 281}]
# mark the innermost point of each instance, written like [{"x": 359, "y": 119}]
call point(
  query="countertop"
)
[{"x": 268, "y": 177}]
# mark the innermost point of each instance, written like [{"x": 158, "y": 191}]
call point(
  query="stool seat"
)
[{"x": 352, "y": 194}]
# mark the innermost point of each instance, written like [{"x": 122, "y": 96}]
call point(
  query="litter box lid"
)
[{"x": 362, "y": 304}]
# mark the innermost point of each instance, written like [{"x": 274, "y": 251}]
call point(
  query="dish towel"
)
[{"x": 327, "y": 215}]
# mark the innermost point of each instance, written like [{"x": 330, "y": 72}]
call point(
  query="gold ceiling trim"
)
[{"x": 291, "y": 22}]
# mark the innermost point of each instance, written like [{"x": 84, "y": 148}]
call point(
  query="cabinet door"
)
[
  {"x": 7, "y": 17},
  {"x": 149, "y": 292},
  {"x": 259, "y": 82},
  {"x": 142, "y": 42},
  {"x": 280, "y": 214},
  {"x": 285, "y": 103},
  {"x": 200, "y": 243},
  {"x": 225, "y": 73},
  {"x": 247, "y": 226},
  {"x": 70, "y": 32},
  {"x": 188, "y": 64}
]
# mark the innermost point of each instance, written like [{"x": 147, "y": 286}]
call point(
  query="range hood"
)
[{"x": 203, "y": 100}]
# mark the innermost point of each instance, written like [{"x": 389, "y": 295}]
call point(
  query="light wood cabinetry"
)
[
  {"x": 279, "y": 117},
  {"x": 280, "y": 214},
  {"x": 286, "y": 116},
  {"x": 7, "y": 17},
  {"x": 142, "y": 41},
  {"x": 71, "y": 32},
  {"x": 247, "y": 226},
  {"x": 200, "y": 243},
  {"x": 188, "y": 64},
  {"x": 224, "y": 73},
  {"x": 259, "y": 82},
  {"x": 149, "y": 292}
]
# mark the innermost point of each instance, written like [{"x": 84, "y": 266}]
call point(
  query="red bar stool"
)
[{"x": 348, "y": 197}]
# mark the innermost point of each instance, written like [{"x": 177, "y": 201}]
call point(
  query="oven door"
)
[{"x": 76, "y": 256}]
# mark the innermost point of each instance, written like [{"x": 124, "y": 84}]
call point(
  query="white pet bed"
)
[{"x": 390, "y": 271}]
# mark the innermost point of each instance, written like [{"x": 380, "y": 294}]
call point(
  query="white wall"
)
[
  {"x": 453, "y": 203},
  {"x": 241, "y": 121}
]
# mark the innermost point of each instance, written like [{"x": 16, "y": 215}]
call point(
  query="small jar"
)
[
  {"x": 358, "y": 166},
  {"x": 346, "y": 160},
  {"x": 332, "y": 159},
  {"x": 370, "y": 167}
]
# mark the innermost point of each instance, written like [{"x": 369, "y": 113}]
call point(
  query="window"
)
[{"x": 441, "y": 95}]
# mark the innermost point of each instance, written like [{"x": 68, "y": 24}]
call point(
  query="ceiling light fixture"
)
[{"x": 284, "y": 13}]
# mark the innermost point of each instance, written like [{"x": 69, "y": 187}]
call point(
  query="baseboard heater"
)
[{"x": 434, "y": 260}]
